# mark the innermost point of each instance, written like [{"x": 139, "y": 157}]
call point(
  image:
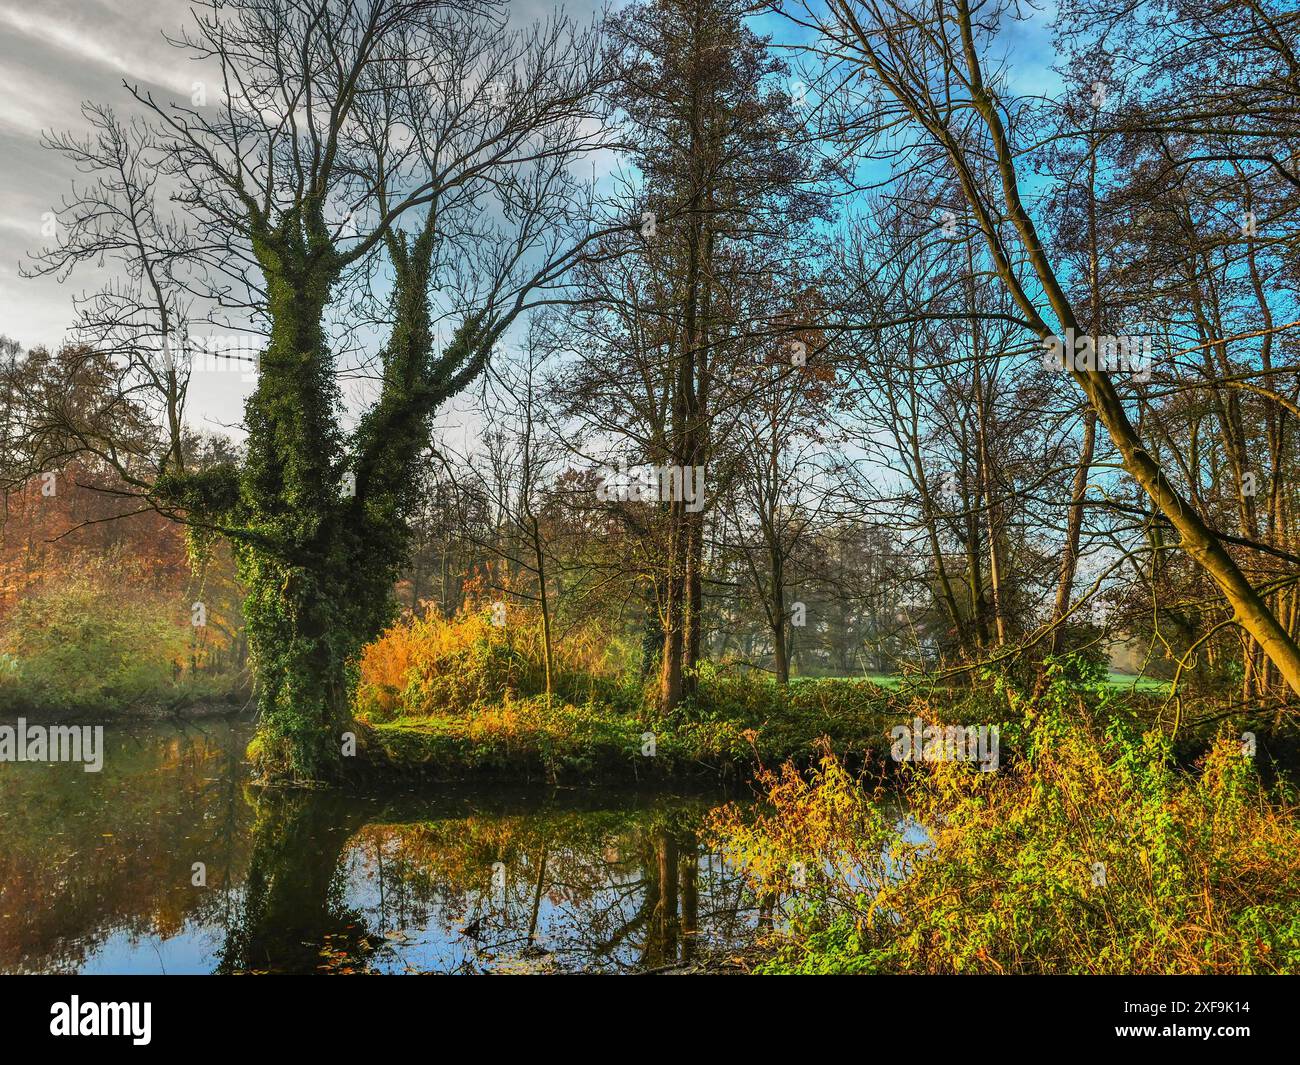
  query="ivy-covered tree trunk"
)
[
  {"x": 325, "y": 519},
  {"x": 293, "y": 561},
  {"x": 301, "y": 651}
]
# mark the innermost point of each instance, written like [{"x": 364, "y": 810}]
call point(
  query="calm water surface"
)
[{"x": 97, "y": 871}]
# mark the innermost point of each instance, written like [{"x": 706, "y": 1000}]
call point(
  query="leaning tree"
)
[{"x": 936, "y": 98}]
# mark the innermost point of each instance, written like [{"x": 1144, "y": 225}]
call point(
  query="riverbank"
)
[
  {"x": 737, "y": 724},
  {"x": 541, "y": 740}
]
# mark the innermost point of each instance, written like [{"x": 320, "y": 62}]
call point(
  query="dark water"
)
[{"x": 97, "y": 872}]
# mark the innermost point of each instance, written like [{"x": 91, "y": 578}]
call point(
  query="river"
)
[{"x": 170, "y": 861}]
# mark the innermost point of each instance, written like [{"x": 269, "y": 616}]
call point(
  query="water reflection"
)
[{"x": 97, "y": 871}]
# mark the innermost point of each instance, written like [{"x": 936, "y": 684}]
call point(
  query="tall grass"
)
[
  {"x": 1090, "y": 853},
  {"x": 430, "y": 665}
]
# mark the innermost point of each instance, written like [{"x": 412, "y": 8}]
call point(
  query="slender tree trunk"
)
[
  {"x": 780, "y": 619},
  {"x": 991, "y": 508},
  {"x": 670, "y": 664},
  {"x": 539, "y": 558},
  {"x": 1070, "y": 549}
]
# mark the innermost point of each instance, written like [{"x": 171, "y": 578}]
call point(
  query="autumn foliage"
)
[
  {"x": 489, "y": 652},
  {"x": 99, "y": 599}
]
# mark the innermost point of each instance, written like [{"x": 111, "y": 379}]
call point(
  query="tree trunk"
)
[{"x": 1070, "y": 549}]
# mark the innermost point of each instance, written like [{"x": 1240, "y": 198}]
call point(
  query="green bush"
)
[
  {"x": 1090, "y": 853},
  {"x": 77, "y": 646}
]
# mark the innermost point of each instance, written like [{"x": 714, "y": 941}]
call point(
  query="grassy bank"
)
[
  {"x": 531, "y": 739},
  {"x": 460, "y": 698}
]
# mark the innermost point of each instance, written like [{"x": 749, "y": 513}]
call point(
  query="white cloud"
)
[{"x": 102, "y": 44}]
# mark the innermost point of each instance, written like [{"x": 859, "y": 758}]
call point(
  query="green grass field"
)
[
  {"x": 1119, "y": 681},
  {"x": 1131, "y": 682}
]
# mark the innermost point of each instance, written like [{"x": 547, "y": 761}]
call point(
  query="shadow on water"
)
[{"x": 98, "y": 872}]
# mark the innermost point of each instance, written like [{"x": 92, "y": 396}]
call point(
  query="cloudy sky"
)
[{"x": 54, "y": 55}]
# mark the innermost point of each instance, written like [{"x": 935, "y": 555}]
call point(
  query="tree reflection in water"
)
[{"x": 95, "y": 872}]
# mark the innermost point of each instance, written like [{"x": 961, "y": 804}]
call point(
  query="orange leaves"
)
[
  {"x": 56, "y": 525},
  {"x": 385, "y": 666}
]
